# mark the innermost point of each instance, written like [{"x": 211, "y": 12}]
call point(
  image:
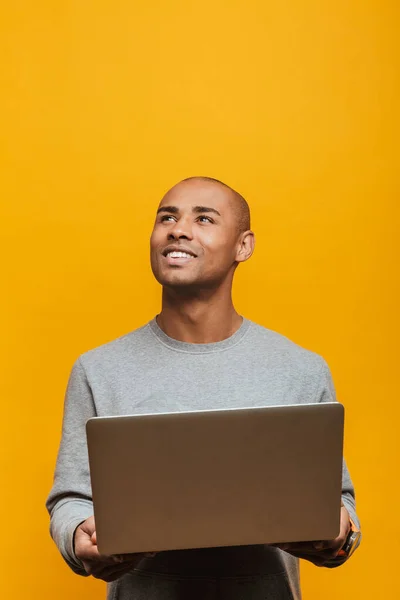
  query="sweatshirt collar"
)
[{"x": 180, "y": 346}]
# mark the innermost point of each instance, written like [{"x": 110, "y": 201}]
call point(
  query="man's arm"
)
[
  {"x": 72, "y": 524},
  {"x": 327, "y": 553},
  {"x": 327, "y": 393},
  {"x": 69, "y": 502}
]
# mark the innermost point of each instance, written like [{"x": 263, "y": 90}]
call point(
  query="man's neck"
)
[{"x": 198, "y": 320}]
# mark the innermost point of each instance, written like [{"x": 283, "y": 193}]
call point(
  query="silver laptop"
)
[{"x": 216, "y": 478}]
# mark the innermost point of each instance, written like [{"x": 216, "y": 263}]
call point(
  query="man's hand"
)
[
  {"x": 107, "y": 568},
  {"x": 320, "y": 553}
]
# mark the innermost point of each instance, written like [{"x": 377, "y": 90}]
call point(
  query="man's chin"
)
[{"x": 180, "y": 283}]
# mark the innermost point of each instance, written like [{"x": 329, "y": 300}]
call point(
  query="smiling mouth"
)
[{"x": 178, "y": 258}]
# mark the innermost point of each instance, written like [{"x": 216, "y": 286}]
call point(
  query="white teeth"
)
[{"x": 179, "y": 255}]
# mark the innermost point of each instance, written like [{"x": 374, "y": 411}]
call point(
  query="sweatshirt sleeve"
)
[
  {"x": 69, "y": 502},
  {"x": 327, "y": 393}
]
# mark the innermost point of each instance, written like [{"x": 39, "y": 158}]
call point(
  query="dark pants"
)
[{"x": 140, "y": 585}]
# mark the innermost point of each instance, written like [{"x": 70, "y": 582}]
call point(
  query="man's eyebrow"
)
[
  {"x": 205, "y": 209},
  {"x": 168, "y": 209},
  {"x": 196, "y": 209}
]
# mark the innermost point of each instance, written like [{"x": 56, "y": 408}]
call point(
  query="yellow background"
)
[{"x": 104, "y": 105}]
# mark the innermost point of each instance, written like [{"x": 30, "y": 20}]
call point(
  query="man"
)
[{"x": 198, "y": 353}]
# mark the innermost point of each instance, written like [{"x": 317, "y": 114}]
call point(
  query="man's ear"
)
[{"x": 246, "y": 246}]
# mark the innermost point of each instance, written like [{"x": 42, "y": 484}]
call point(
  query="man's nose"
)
[{"x": 182, "y": 229}]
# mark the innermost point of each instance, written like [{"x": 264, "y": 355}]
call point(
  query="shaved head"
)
[
  {"x": 200, "y": 235},
  {"x": 239, "y": 204}
]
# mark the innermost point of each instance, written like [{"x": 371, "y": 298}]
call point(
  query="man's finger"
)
[
  {"x": 327, "y": 545},
  {"x": 88, "y": 526},
  {"x": 297, "y": 547},
  {"x": 113, "y": 572},
  {"x": 338, "y": 542},
  {"x": 317, "y": 559},
  {"x": 134, "y": 556},
  {"x": 308, "y": 551},
  {"x": 344, "y": 522},
  {"x": 86, "y": 551}
]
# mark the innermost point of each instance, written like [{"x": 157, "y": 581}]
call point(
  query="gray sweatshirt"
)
[{"x": 148, "y": 372}]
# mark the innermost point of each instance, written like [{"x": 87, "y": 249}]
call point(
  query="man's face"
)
[{"x": 195, "y": 238}]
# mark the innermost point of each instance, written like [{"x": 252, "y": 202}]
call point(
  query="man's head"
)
[{"x": 201, "y": 233}]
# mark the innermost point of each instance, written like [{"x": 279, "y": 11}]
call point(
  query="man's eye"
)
[
  {"x": 167, "y": 218},
  {"x": 204, "y": 219}
]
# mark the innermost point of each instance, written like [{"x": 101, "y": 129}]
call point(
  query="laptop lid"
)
[{"x": 216, "y": 478}]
